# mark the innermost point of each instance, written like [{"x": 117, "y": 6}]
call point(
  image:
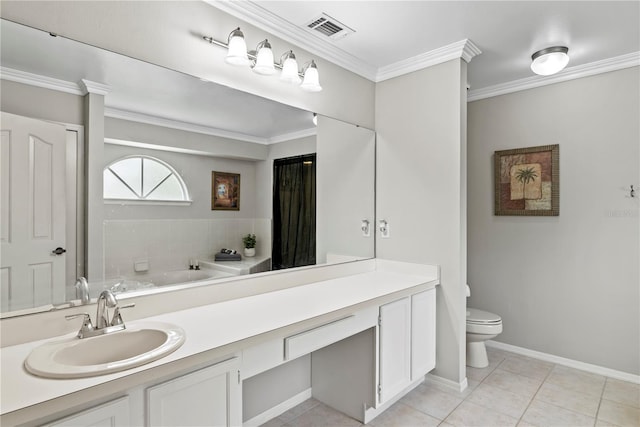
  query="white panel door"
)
[
  {"x": 395, "y": 348},
  {"x": 423, "y": 333},
  {"x": 33, "y": 212},
  {"x": 209, "y": 397}
]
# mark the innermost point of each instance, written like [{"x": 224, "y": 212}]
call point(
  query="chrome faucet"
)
[
  {"x": 106, "y": 300},
  {"x": 82, "y": 290}
]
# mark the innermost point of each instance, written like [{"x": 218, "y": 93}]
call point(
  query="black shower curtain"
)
[{"x": 294, "y": 212}]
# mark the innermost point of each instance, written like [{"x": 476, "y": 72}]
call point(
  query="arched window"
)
[{"x": 143, "y": 178}]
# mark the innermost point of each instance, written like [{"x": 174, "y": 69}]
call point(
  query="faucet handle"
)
[
  {"x": 87, "y": 326},
  {"x": 117, "y": 317}
]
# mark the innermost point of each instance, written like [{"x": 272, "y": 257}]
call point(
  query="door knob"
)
[{"x": 58, "y": 251}]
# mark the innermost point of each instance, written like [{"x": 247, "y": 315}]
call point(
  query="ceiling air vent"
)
[{"x": 330, "y": 27}]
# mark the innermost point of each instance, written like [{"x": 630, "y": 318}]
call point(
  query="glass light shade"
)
[
  {"x": 237, "y": 53},
  {"x": 550, "y": 61},
  {"x": 290, "y": 71},
  {"x": 264, "y": 59},
  {"x": 311, "y": 81}
]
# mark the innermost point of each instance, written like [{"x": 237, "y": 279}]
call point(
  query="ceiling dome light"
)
[
  {"x": 311, "y": 81},
  {"x": 549, "y": 61},
  {"x": 264, "y": 59},
  {"x": 290, "y": 68},
  {"x": 237, "y": 54}
]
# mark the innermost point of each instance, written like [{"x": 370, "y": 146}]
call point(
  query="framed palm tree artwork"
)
[{"x": 527, "y": 181}]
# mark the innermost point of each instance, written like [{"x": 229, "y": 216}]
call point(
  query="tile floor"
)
[{"x": 512, "y": 391}]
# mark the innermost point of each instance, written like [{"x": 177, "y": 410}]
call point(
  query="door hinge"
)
[
  {"x": 379, "y": 319},
  {"x": 379, "y": 389},
  {"x": 238, "y": 376}
]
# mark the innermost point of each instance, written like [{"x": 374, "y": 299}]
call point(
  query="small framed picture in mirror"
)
[{"x": 225, "y": 191}]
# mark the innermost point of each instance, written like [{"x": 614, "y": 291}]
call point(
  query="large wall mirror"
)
[{"x": 172, "y": 143}]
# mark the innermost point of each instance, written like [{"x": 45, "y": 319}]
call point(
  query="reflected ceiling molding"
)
[
  {"x": 31, "y": 79},
  {"x": 293, "y": 135},
  {"x": 604, "y": 66},
  {"x": 96, "y": 88},
  {"x": 179, "y": 125},
  {"x": 464, "y": 49}
]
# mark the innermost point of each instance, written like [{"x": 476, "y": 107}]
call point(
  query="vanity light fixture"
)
[
  {"x": 262, "y": 62},
  {"x": 311, "y": 81},
  {"x": 549, "y": 61},
  {"x": 264, "y": 59},
  {"x": 289, "y": 68},
  {"x": 237, "y": 54}
]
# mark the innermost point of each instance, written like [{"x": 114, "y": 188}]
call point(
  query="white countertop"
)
[{"x": 215, "y": 325}]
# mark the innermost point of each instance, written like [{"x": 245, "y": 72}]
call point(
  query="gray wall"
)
[
  {"x": 40, "y": 103},
  {"x": 568, "y": 285},
  {"x": 421, "y": 190},
  {"x": 168, "y": 33},
  {"x": 345, "y": 189}
]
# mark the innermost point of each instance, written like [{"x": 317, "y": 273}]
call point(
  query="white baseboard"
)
[
  {"x": 458, "y": 387},
  {"x": 278, "y": 409},
  {"x": 594, "y": 369}
]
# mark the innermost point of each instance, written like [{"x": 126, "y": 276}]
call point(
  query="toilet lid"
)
[{"x": 482, "y": 317}]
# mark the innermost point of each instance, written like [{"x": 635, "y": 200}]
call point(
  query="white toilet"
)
[{"x": 481, "y": 326}]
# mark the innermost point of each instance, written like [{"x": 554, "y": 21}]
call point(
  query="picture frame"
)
[
  {"x": 225, "y": 191},
  {"x": 527, "y": 181}
]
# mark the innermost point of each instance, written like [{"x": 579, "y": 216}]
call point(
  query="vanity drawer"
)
[
  {"x": 261, "y": 357},
  {"x": 329, "y": 333}
]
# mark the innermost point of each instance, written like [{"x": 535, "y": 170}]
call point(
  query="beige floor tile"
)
[
  {"x": 323, "y": 416},
  {"x": 576, "y": 380},
  {"x": 602, "y": 423},
  {"x": 622, "y": 392},
  {"x": 500, "y": 400},
  {"x": 514, "y": 383},
  {"x": 544, "y": 414},
  {"x": 527, "y": 367},
  {"x": 432, "y": 401},
  {"x": 568, "y": 399},
  {"x": 401, "y": 415},
  {"x": 298, "y": 410},
  {"x": 469, "y": 415},
  {"x": 274, "y": 422},
  {"x": 619, "y": 414},
  {"x": 525, "y": 424},
  {"x": 479, "y": 374}
]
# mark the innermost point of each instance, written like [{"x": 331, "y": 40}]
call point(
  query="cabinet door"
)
[
  {"x": 423, "y": 333},
  {"x": 111, "y": 414},
  {"x": 395, "y": 348},
  {"x": 209, "y": 397}
]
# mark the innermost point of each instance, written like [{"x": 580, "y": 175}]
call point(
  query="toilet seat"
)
[{"x": 481, "y": 317}]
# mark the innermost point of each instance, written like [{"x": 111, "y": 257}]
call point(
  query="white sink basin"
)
[{"x": 141, "y": 343}]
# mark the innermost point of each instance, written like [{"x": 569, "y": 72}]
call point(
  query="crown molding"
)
[
  {"x": 89, "y": 86},
  {"x": 464, "y": 49},
  {"x": 579, "y": 71},
  {"x": 293, "y": 135},
  {"x": 131, "y": 116},
  {"x": 254, "y": 14},
  {"x": 40, "y": 81}
]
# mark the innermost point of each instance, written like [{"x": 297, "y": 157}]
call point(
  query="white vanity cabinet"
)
[
  {"x": 394, "y": 348},
  {"x": 407, "y": 342},
  {"x": 208, "y": 397},
  {"x": 110, "y": 414}
]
